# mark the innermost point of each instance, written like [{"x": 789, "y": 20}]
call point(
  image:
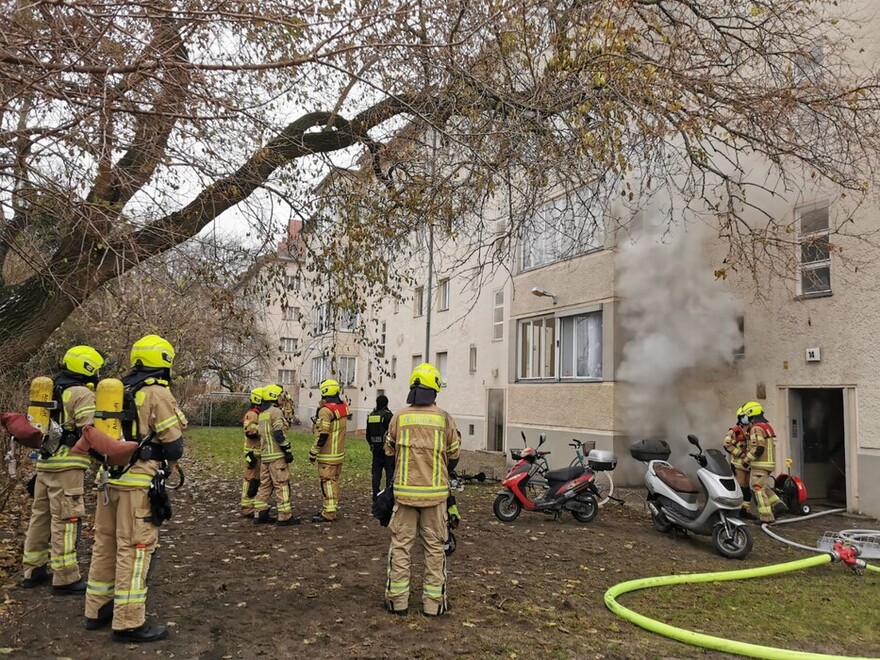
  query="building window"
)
[
  {"x": 394, "y": 366},
  {"x": 419, "y": 301},
  {"x": 290, "y": 314},
  {"x": 814, "y": 258},
  {"x": 580, "y": 353},
  {"x": 292, "y": 282},
  {"x": 348, "y": 320},
  {"x": 740, "y": 351},
  {"x": 319, "y": 370},
  {"x": 286, "y": 376},
  {"x": 380, "y": 345},
  {"x": 347, "y": 367},
  {"x": 472, "y": 361},
  {"x": 442, "y": 366},
  {"x": 416, "y": 360},
  {"x": 537, "y": 348},
  {"x": 498, "y": 315},
  {"x": 443, "y": 295},
  {"x": 560, "y": 229},
  {"x": 288, "y": 345},
  {"x": 322, "y": 319}
]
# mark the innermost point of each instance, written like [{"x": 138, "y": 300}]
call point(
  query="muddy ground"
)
[{"x": 228, "y": 589}]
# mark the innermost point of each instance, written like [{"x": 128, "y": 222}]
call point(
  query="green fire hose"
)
[{"x": 708, "y": 641}]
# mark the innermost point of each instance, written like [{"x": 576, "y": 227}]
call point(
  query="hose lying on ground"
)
[{"x": 708, "y": 641}]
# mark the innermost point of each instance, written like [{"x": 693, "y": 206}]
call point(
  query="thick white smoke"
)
[{"x": 680, "y": 327}]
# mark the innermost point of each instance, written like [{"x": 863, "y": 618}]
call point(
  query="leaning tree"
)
[{"x": 128, "y": 127}]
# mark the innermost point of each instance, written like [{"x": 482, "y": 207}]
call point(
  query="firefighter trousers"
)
[
  {"x": 742, "y": 478},
  {"x": 764, "y": 497},
  {"x": 250, "y": 487},
  {"x": 329, "y": 476},
  {"x": 274, "y": 478},
  {"x": 429, "y": 524},
  {"x": 125, "y": 540},
  {"x": 55, "y": 525},
  {"x": 382, "y": 464}
]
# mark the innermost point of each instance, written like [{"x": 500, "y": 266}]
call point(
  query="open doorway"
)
[
  {"x": 495, "y": 419},
  {"x": 818, "y": 442}
]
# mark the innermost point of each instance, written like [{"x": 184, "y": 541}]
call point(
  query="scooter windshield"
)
[{"x": 716, "y": 463}]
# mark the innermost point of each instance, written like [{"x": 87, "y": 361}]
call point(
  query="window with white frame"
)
[
  {"x": 472, "y": 359},
  {"x": 560, "y": 229},
  {"x": 322, "y": 319},
  {"x": 580, "y": 350},
  {"x": 292, "y": 282},
  {"x": 288, "y": 344},
  {"x": 740, "y": 350},
  {"x": 416, "y": 360},
  {"x": 347, "y": 320},
  {"x": 498, "y": 315},
  {"x": 394, "y": 366},
  {"x": 814, "y": 251},
  {"x": 419, "y": 301},
  {"x": 537, "y": 348},
  {"x": 347, "y": 366},
  {"x": 442, "y": 366},
  {"x": 320, "y": 369},
  {"x": 286, "y": 376},
  {"x": 290, "y": 314},
  {"x": 380, "y": 345},
  {"x": 443, "y": 295}
]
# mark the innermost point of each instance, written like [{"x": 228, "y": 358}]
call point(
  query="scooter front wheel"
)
[
  {"x": 506, "y": 507},
  {"x": 734, "y": 545}
]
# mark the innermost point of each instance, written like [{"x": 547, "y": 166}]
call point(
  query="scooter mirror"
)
[
  {"x": 523, "y": 434},
  {"x": 541, "y": 439},
  {"x": 693, "y": 439}
]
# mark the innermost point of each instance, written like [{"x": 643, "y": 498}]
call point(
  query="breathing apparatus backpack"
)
[{"x": 46, "y": 412}]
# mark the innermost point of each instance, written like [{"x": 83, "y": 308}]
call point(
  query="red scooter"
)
[{"x": 570, "y": 489}]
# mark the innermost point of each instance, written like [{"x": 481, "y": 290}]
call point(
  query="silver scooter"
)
[{"x": 673, "y": 496}]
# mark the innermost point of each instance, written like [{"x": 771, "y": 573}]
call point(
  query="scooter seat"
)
[
  {"x": 676, "y": 479},
  {"x": 564, "y": 474}
]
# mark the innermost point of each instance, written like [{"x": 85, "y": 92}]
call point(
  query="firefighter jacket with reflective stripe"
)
[
  {"x": 377, "y": 425},
  {"x": 77, "y": 411},
  {"x": 251, "y": 426},
  {"x": 736, "y": 444},
  {"x": 271, "y": 420},
  {"x": 423, "y": 439},
  {"x": 761, "y": 434},
  {"x": 157, "y": 412},
  {"x": 333, "y": 421}
]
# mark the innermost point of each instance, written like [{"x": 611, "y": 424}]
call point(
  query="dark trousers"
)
[{"x": 381, "y": 463}]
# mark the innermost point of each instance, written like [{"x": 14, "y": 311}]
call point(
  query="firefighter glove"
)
[
  {"x": 452, "y": 510},
  {"x": 250, "y": 458},
  {"x": 31, "y": 485},
  {"x": 288, "y": 457},
  {"x": 313, "y": 454},
  {"x": 745, "y": 464}
]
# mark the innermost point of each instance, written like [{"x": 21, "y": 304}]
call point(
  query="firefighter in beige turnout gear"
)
[
  {"x": 251, "y": 484},
  {"x": 275, "y": 458},
  {"x": 58, "y": 509},
  {"x": 760, "y": 460},
  {"x": 736, "y": 444},
  {"x": 125, "y": 532},
  {"x": 426, "y": 445},
  {"x": 328, "y": 450}
]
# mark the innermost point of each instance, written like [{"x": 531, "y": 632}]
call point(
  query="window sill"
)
[{"x": 818, "y": 294}]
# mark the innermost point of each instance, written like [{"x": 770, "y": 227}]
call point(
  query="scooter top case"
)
[{"x": 650, "y": 449}]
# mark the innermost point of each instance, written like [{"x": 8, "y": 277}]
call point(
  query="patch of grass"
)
[
  {"x": 826, "y": 609},
  {"x": 221, "y": 447}
]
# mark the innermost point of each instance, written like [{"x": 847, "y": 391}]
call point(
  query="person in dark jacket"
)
[{"x": 377, "y": 427}]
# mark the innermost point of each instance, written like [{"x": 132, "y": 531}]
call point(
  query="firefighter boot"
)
[
  {"x": 105, "y": 616},
  {"x": 263, "y": 518},
  {"x": 77, "y": 588},
  {"x": 290, "y": 521},
  {"x": 143, "y": 633},
  {"x": 40, "y": 575}
]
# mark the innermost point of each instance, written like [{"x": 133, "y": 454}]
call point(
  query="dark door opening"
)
[
  {"x": 495, "y": 420},
  {"x": 818, "y": 442}
]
